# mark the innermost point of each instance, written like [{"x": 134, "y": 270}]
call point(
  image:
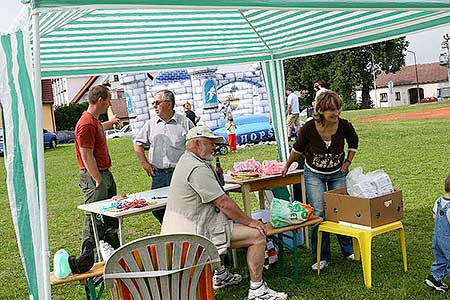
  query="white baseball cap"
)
[{"x": 203, "y": 131}]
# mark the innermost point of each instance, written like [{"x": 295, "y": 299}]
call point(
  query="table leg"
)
[
  {"x": 235, "y": 260},
  {"x": 121, "y": 230},
  {"x": 246, "y": 199},
  {"x": 96, "y": 237},
  {"x": 262, "y": 202},
  {"x": 302, "y": 185}
]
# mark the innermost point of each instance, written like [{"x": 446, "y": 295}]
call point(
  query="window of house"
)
[
  {"x": 383, "y": 97},
  {"x": 398, "y": 97},
  {"x": 120, "y": 94}
]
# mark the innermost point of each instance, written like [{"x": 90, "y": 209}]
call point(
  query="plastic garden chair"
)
[{"x": 163, "y": 267}]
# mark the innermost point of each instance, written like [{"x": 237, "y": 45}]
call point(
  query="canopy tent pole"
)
[
  {"x": 274, "y": 80},
  {"x": 45, "y": 253}
]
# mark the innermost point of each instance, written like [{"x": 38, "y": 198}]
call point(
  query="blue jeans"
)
[
  {"x": 441, "y": 243},
  {"x": 161, "y": 179},
  {"x": 316, "y": 184}
]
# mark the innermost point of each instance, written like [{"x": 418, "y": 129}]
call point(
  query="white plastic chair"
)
[{"x": 163, "y": 267}]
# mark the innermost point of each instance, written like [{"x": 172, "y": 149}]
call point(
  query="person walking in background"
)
[
  {"x": 322, "y": 141},
  {"x": 293, "y": 118},
  {"x": 96, "y": 180},
  {"x": 441, "y": 241},
  {"x": 231, "y": 131},
  {"x": 198, "y": 204},
  {"x": 190, "y": 114},
  {"x": 320, "y": 87},
  {"x": 166, "y": 136}
]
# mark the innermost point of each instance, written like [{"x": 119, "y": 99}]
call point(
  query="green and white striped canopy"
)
[
  {"x": 87, "y": 37},
  {"x": 104, "y": 37}
]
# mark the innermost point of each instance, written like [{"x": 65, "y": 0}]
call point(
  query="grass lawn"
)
[{"x": 415, "y": 154}]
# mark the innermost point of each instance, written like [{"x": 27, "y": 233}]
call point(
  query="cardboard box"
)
[{"x": 370, "y": 212}]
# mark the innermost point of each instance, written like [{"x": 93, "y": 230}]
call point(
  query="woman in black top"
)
[{"x": 322, "y": 140}]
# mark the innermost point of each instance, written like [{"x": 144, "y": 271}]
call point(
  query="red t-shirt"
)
[{"x": 89, "y": 134}]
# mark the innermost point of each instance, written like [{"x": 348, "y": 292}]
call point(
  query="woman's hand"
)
[
  {"x": 345, "y": 165},
  {"x": 285, "y": 169}
]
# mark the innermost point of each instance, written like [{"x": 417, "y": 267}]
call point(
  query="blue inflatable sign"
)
[{"x": 210, "y": 94}]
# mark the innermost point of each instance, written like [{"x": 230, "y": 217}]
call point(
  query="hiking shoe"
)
[
  {"x": 350, "y": 257},
  {"x": 224, "y": 278},
  {"x": 265, "y": 293},
  {"x": 323, "y": 265},
  {"x": 435, "y": 284}
]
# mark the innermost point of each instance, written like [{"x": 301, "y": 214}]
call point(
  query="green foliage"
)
[
  {"x": 414, "y": 153},
  {"x": 66, "y": 116},
  {"x": 345, "y": 70}
]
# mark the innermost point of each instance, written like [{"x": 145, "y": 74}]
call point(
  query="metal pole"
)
[
  {"x": 374, "y": 71},
  {"x": 417, "y": 74},
  {"x": 45, "y": 254}
]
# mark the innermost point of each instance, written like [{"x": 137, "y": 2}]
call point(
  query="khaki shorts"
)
[{"x": 293, "y": 120}]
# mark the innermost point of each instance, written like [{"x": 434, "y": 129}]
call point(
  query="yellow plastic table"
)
[{"x": 362, "y": 243}]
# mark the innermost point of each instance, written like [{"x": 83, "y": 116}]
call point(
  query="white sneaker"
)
[
  {"x": 350, "y": 257},
  {"x": 224, "y": 279},
  {"x": 265, "y": 293},
  {"x": 106, "y": 250},
  {"x": 323, "y": 265}
]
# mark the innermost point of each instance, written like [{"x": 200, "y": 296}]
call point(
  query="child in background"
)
[
  {"x": 441, "y": 241},
  {"x": 231, "y": 131}
]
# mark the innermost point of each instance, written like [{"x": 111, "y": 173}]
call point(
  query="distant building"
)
[
  {"x": 401, "y": 88},
  {"x": 48, "y": 115}
]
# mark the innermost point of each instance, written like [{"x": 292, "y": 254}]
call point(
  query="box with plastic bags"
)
[{"x": 368, "y": 201}]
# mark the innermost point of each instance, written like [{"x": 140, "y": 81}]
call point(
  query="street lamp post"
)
[
  {"x": 444, "y": 58},
  {"x": 417, "y": 74}
]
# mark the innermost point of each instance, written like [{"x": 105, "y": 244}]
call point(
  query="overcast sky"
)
[{"x": 426, "y": 45}]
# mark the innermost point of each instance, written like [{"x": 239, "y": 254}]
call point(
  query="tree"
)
[
  {"x": 66, "y": 116},
  {"x": 345, "y": 70}
]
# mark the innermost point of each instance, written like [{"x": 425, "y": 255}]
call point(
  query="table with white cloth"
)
[{"x": 157, "y": 198}]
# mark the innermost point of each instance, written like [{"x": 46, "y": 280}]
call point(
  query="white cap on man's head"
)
[{"x": 203, "y": 131}]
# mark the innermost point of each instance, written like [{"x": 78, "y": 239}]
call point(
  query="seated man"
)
[{"x": 198, "y": 204}]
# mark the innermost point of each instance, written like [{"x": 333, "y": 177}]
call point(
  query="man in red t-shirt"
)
[{"x": 96, "y": 181}]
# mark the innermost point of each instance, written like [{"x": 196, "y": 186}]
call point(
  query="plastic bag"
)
[
  {"x": 368, "y": 185},
  {"x": 285, "y": 213}
]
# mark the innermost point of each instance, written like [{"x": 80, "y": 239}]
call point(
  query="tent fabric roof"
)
[{"x": 99, "y": 40}]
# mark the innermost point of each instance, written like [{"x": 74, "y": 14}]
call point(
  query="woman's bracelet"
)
[{"x": 349, "y": 161}]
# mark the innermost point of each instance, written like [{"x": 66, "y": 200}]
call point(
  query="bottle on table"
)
[{"x": 219, "y": 172}]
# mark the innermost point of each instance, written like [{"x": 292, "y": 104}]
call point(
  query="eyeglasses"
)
[{"x": 156, "y": 103}]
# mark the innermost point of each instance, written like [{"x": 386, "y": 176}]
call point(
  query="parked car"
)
[
  {"x": 65, "y": 136},
  {"x": 251, "y": 129},
  {"x": 125, "y": 131},
  {"x": 50, "y": 139},
  {"x": 428, "y": 99}
]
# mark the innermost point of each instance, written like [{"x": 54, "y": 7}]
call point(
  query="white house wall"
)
[{"x": 429, "y": 90}]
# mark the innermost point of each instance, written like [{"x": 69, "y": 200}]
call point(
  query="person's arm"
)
[
  {"x": 140, "y": 153},
  {"x": 87, "y": 155},
  {"x": 234, "y": 212},
  {"x": 352, "y": 141},
  {"x": 348, "y": 161},
  {"x": 289, "y": 108},
  {"x": 293, "y": 156},
  {"x": 108, "y": 124}
]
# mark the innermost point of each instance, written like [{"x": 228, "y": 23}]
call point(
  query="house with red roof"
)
[{"x": 404, "y": 87}]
